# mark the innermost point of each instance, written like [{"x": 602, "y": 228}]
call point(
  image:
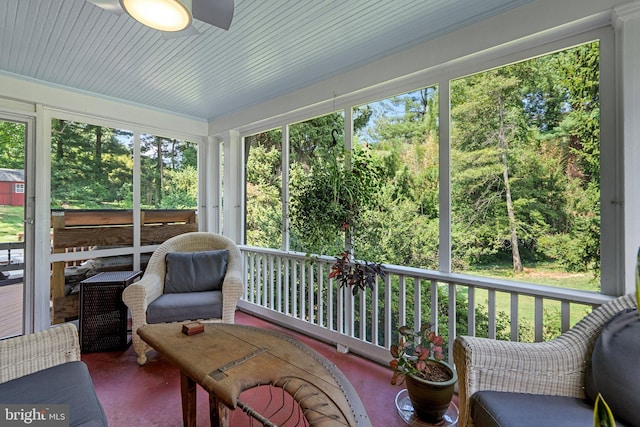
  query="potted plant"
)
[
  {"x": 418, "y": 362},
  {"x": 357, "y": 275}
]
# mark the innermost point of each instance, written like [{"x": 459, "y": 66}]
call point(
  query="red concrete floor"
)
[{"x": 135, "y": 396}]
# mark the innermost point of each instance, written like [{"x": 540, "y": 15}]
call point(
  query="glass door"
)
[{"x": 14, "y": 224}]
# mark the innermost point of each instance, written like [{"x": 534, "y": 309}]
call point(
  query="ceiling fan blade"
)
[
  {"x": 189, "y": 31},
  {"x": 218, "y": 13},
  {"x": 112, "y": 6}
]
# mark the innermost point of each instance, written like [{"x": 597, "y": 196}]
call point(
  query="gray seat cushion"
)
[
  {"x": 186, "y": 306},
  {"x": 195, "y": 271},
  {"x": 66, "y": 384},
  {"x": 501, "y": 409}
]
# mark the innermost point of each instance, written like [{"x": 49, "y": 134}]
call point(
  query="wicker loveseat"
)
[
  {"x": 44, "y": 368},
  {"x": 140, "y": 295},
  {"x": 544, "y": 382}
]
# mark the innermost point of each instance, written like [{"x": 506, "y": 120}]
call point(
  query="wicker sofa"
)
[
  {"x": 45, "y": 368},
  {"x": 505, "y": 383}
]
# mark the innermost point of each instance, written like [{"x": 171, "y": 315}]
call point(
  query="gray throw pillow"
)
[
  {"x": 613, "y": 370},
  {"x": 195, "y": 271}
]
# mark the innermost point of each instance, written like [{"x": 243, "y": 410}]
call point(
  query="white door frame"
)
[{"x": 28, "y": 287}]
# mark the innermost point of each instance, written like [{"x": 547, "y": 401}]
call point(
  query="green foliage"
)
[
  {"x": 89, "y": 166},
  {"x": 525, "y": 156},
  {"x": 92, "y": 168},
  {"x": 180, "y": 189},
  {"x": 503, "y": 324},
  {"x": 167, "y": 179},
  {"x": 412, "y": 352},
  {"x": 264, "y": 206},
  {"x": 551, "y": 125},
  {"x": 263, "y": 190},
  {"x": 333, "y": 197},
  {"x": 12, "y": 145},
  {"x": 602, "y": 415},
  {"x": 355, "y": 275},
  {"x": 552, "y": 325}
]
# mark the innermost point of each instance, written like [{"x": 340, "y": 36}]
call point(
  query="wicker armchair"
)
[
  {"x": 139, "y": 295},
  {"x": 554, "y": 368},
  {"x": 44, "y": 368},
  {"x": 31, "y": 353}
]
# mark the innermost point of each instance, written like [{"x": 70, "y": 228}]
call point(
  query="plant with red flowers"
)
[{"x": 417, "y": 353}]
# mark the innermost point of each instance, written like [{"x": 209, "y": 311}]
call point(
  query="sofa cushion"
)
[
  {"x": 195, "y": 271},
  {"x": 502, "y": 409},
  {"x": 187, "y": 306},
  {"x": 65, "y": 384},
  {"x": 613, "y": 369}
]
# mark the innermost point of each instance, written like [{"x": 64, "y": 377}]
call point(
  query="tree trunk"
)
[
  {"x": 98, "y": 159},
  {"x": 159, "y": 182},
  {"x": 173, "y": 153},
  {"x": 515, "y": 252},
  {"x": 59, "y": 139}
]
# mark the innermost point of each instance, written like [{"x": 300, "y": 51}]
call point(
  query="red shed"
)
[{"x": 12, "y": 187}]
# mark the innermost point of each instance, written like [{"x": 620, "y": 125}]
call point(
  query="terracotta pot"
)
[{"x": 431, "y": 399}]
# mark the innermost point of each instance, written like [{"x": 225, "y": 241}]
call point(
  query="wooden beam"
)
[{"x": 117, "y": 236}]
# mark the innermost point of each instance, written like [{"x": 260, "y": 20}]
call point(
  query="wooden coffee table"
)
[{"x": 228, "y": 359}]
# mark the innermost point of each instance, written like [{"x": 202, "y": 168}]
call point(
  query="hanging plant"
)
[
  {"x": 357, "y": 275},
  {"x": 331, "y": 199}
]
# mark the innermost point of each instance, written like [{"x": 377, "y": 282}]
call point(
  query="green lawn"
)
[
  {"x": 11, "y": 223},
  {"x": 540, "y": 273}
]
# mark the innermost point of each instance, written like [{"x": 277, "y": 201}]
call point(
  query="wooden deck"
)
[{"x": 11, "y": 310}]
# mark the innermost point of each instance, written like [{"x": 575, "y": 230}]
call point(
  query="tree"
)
[
  {"x": 487, "y": 115},
  {"x": 90, "y": 166},
  {"x": 11, "y": 145},
  {"x": 263, "y": 189},
  {"x": 403, "y": 227},
  {"x": 160, "y": 158}
]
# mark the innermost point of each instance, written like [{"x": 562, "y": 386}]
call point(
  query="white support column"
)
[
  {"x": 286, "y": 240},
  {"x": 348, "y": 128},
  {"x": 137, "y": 185},
  {"x": 348, "y": 146},
  {"x": 42, "y": 244},
  {"x": 209, "y": 176},
  {"x": 233, "y": 173},
  {"x": 444, "y": 168},
  {"x": 626, "y": 20}
]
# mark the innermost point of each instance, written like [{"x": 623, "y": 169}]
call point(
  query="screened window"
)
[
  {"x": 525, "y": 170},
  {"x": 397, "y": 138},
  {"x": 263, "y": 189},
  {"x": 91, "y": 166},
  {"x": 318, "y": 211},
  {"x": 169, "y": 173}
]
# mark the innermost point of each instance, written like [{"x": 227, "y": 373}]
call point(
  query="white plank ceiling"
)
[{"x": 273, "y": 47}]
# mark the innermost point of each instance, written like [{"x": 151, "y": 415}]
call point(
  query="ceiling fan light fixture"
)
[{"x": 163, "y": 15}]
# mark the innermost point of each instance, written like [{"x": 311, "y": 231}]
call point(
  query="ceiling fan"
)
[{"x": 173, "y": 16}]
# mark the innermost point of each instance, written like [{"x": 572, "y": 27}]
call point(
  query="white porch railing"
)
[{"x": 292, "y": 289}]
